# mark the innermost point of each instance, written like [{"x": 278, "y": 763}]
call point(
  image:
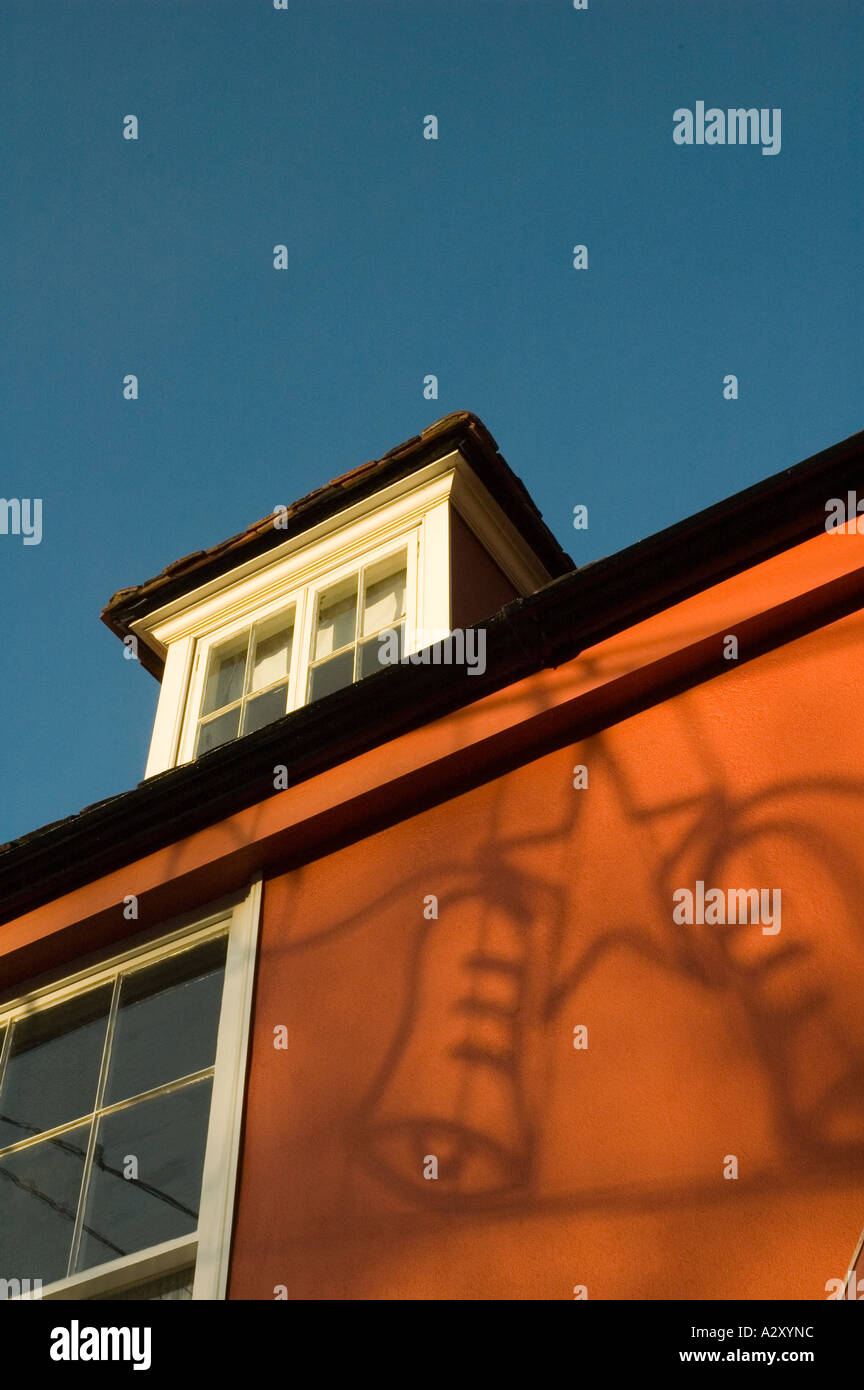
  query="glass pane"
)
[
  {"x": 39, "y": 1189},
  {"x": 388, "y": 644},
  {"x": 263, "y": 709},
  {"x": 337, "y": 615},
  {"x": 384, "y": 602},
  {"x": 218, "y": 731},
  {"x": 167, "y": 1020},
  {"x": 271, "y": 658},
  {"x": 166, "y": 1137},
  {"x": 53, "y": 1066},
  {"x": 332, "y": 675},
  {"x": 225, "y": 674}
]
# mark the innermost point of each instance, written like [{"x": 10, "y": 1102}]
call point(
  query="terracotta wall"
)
[{"x": 410, "y": 1037}]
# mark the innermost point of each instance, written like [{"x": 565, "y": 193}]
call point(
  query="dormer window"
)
[{"x": 432, "y": 538}]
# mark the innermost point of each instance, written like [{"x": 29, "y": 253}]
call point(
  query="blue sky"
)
[{"x": 406, "y": 257}]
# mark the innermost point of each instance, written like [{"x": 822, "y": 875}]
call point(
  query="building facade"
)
[{"x": 483, "y": 927}]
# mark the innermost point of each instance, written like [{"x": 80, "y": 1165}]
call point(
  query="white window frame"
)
[
  {"x": 209, "y": 1247},
  {"x": 304, "y": 602}
]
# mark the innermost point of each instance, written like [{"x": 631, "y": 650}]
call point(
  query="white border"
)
[{"x": 222, "y": 1156}]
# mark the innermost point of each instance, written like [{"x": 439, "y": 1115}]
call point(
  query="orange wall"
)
[{"x": 453, "y": 1037}]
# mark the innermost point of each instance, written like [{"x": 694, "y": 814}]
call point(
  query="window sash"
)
[
  {"x": 209, "y": 1246},
  {"x": 281, "y": 623},
  {"x": 126, "y": 1272},
  {"x": 369, "y": 575},
  {"x": 93, "y": 1118}
]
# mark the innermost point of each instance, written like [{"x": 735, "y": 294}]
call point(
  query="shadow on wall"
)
[{"x": 571, "y": 919}]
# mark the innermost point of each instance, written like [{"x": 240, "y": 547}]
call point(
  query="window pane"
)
[
  {"x": 39, "y": 1190},
  {"x": 391, "y": 649},
  {"x": 271, "y": 658},
  {"x": 225, "y": 674},
  {"x": 332, "y": 675},
  {"x": 263, "y": 709},
  {"x": 167, "y": 1021},
  {"x": 218, "y": 731},
  {"x": 384, "y": 602},
  {"x": 337, "y": 616},
  {"x": 53, "y": 1066},
  {"x": 166, "y": 1136}
]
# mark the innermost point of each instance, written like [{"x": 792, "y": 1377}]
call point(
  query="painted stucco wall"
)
[
  {"x": 477, "y": 586},
  {"x": 411, "y": 1036}
]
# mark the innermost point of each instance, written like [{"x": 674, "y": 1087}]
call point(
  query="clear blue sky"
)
[{"x": 407, "y": 257}]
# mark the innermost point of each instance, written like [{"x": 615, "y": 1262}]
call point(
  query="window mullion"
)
[
  {"x": 218, "y": 713},
  {"x": 167, "y": 1088},
  {"x": 5, "y": 1049},
  {"x": 247, "y": 673},
  {"x": 358, "y": 618},
  {"x": 299, "y": 664},
  {"x": 91, "y": 1144}
]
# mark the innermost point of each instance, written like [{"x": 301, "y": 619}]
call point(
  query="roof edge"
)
[{"x": 460, "y": 430}]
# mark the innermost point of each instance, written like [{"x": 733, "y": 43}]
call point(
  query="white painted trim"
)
[
  {"x": 170, "y": 710},
  {"x": 436, "y": 599},
  {"x": 293, "y": 565},
  {"x": 341, "y": 539},
  {"x": 222, "y": 1156},
  {"x": 413, "y": 589},
  {"x": 123, "y": 1273}
]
